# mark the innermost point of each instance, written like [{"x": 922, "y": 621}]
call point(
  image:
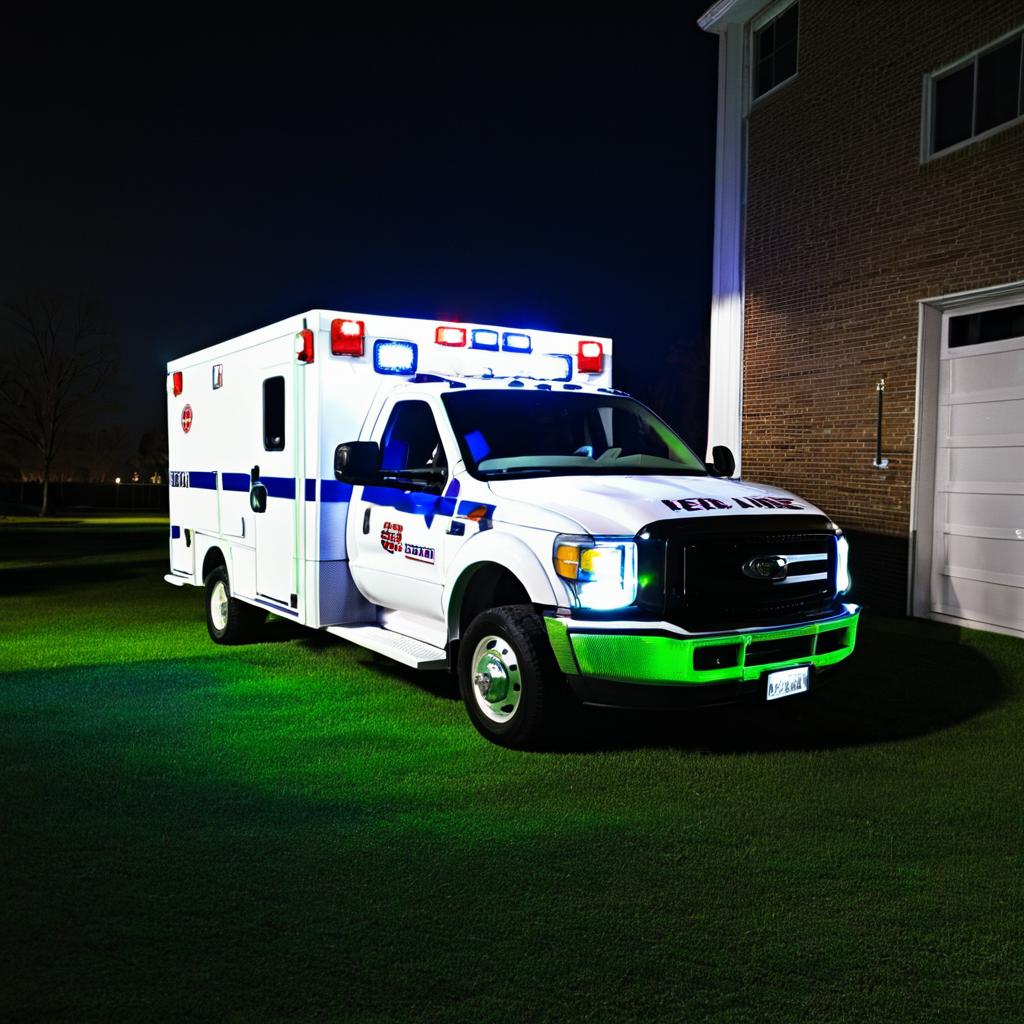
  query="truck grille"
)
[{"x": 706, "y": 587}]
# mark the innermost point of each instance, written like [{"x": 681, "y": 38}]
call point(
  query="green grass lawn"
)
[{"x": 291, "y": 830}]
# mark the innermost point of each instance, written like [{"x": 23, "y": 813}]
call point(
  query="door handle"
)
[{"x": 366, "y": 521}]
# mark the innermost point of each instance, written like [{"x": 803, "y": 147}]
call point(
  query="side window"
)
[
  {"x": 273, "y": 414},
  {"x": 982, "y": 93},
  {"x": 775, "y": 50},
  {"x": 410, "y": 440}
]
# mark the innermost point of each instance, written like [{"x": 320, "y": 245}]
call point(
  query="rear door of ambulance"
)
[{"x": 277, "y": 528}]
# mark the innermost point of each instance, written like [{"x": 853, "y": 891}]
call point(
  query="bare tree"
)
[{"x": 54, "y": 360}]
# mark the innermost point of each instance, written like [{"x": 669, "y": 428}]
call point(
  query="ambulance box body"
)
[{"x": 481, "y": 498}]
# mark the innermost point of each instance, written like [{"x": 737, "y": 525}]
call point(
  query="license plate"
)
[{"x": 787, "y": 681}]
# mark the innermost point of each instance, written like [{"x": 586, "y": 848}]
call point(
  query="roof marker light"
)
[
  {"x": 512, "y": 341},
  {"x": 177, "y": 383},
  {"x": 304, "y": 346},
  {"x": 485, "y": 339},
  {"x": 394, "y": 357},
  {"x": 559, "y": 367},
  {"x": 455, "y": 336},
  {"x": 590, "y": 357},
  {"x": 347, "y": 337}
]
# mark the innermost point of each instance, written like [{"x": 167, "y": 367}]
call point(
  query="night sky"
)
[{"x": 207, "y": 183}]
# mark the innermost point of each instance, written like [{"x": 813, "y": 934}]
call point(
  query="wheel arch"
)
[
  {"x": 211, "y": 559},
  {"x": 502, "y": 573}
]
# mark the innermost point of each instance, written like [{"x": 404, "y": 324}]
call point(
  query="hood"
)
[{"x": 624, "y": 504}]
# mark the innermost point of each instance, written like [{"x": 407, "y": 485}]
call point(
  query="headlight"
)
[
  {"x": 600, "y": 571},
  {"x": 843, "y": 580}
]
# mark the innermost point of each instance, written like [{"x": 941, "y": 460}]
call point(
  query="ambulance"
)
[{"x": 483, "y": 500}]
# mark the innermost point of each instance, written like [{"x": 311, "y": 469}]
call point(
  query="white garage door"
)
[{"x": 978, "y": 552}]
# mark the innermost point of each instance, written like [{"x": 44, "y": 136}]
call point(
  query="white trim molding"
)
[{"x": 725, "y": 392}]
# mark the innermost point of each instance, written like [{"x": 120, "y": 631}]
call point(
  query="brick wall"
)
[{"x": 847, "y": 230}]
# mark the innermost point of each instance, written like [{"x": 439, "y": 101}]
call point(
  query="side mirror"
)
[
  {"x": 258, "y": 497},
  {"x": 723, "y": 460},
  {"x": 357, "y": 462}
]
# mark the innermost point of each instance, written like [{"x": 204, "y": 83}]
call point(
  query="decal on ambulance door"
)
[
  {"x": 186, "y": 418},
  {"x": 391, "y": 537}
]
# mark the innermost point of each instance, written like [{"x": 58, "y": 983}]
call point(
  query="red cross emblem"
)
[{"x": 186, "y": 418}]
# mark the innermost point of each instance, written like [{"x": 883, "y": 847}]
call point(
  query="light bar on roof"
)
[
  {"x": 485, "y": 339},
  {"x": 513, "y": 341},
  {"x": 590, "y": 357},
  {"x": 453, "y": 336}
]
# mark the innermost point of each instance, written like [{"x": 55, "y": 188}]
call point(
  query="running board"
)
[
  {"x": 178, "y": 581},
  {"x": 403, "y": 649}
]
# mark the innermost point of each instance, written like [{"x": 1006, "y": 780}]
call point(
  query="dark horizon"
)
[{"x": 206, "y": 187}]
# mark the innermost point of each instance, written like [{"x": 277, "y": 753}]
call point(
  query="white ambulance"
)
[{"x": 481, "y": 499}]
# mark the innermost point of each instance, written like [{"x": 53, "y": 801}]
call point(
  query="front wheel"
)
[
  {"x": 228, "y": 620},
  {"x": 508, "y": 678}
]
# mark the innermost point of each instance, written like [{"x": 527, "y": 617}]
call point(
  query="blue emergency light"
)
[
  {"x": 514, "y": 342},
  {"x": 394, "y": 357},
  {"x": 485, "y": 339},
  {"x": 557, "y": 362}
]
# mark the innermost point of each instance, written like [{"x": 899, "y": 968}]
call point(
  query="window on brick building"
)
[
  {"x": 775, "y": 48},
  {"x": 979, "y": 95}
]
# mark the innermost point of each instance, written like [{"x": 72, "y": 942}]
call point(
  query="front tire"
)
[
  {"x": 508, "y": 678},
  {"x": 228, "y": 620}
]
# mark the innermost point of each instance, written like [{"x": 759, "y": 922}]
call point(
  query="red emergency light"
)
[
  {"x": 177, "y": 383},
  {"x": 347, "y": 337},
  {"x": 590, "y": 357},
  {"x": 454, "y": 336},
  {"x": 304, "y": 346}
]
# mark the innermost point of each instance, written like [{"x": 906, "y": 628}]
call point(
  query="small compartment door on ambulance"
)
[
  {"x": 396, "y": 529},
  {"x": 276, "y": 528}
]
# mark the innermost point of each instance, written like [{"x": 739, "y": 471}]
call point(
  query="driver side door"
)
[{"x": 395, "y": 535}]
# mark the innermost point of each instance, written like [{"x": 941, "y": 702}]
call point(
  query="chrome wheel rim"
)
[
  {"x": 496, "y": 682},
  {"x": 219, "y": 606}
]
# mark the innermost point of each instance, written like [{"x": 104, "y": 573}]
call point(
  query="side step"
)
[
  {"x": 178, "y": 581},
  {"x": 404, "y": 649}
]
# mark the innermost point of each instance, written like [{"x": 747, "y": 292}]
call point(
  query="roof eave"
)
[{"x": 728, "y": 12}]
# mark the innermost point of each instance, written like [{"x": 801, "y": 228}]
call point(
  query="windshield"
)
[{"x": 547, "y": 433}]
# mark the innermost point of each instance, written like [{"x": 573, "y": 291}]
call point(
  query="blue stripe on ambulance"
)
[
  {"x": 236, "y": 481},
  {"x": 414, "y": 502}
]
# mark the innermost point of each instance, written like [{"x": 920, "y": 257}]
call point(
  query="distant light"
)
[{"x": 117, "y": 479}]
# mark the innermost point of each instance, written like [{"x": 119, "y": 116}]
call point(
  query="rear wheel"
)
[
  {"x": 228, "y": 620},
  {"x": 508, "y": 678}
]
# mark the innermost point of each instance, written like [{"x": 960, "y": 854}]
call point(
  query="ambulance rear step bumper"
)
[{"x": 403, "y": 649}]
